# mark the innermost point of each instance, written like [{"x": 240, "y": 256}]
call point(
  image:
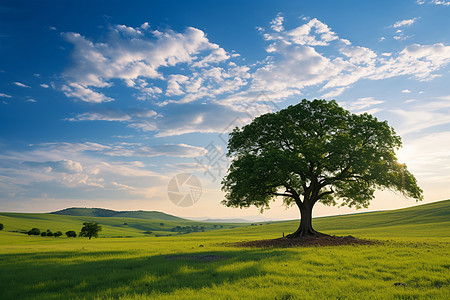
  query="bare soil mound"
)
[{"x": 307, "y": 241}]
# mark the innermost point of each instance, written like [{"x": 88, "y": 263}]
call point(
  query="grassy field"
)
[
  {"x": 415, "y": 251},
  {"x": 112, "y": 226}
]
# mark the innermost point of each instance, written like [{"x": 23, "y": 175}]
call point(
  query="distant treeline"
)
[{"x": 89, "y": 229}]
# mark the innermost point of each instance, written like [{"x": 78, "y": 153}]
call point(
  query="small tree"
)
[
  {"x": 43, "y": 233},
  {"x": 34, "y": 231},
  {"x": 311, "y": 152},
  {"x": 71, "y": 233},
  {"x": 1, "y": 226},
  {"x": 57, "y": 234},
  {"x": 49, "y": 233},
  {"x": 90, "y": 229}
]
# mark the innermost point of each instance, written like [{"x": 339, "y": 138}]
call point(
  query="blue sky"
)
[{"x": 102, "y": 103}]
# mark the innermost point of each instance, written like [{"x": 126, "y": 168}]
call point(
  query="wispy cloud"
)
[
  {"x": 435, "y": 2},
  {"x": 21, "y": 84},
  {"x": 404, "y": 23},
  {"x": 362, "y": 105},
  {"x": 2, "y": 95},
  {"x": 422, "y": 115}
]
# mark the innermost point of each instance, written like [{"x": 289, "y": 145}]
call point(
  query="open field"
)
[
  {"x": 415, "y": 251},
  {"x": 112, "y": 226}
]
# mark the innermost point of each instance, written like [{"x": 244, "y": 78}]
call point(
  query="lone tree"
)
[
  {"x": 90, "y": 229},
  {"x": 311, "y": 152},
  {"x": 1, "y": 226}
]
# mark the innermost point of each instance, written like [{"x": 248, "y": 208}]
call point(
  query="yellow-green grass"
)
[
  {"x": 415, "y": 251},
  {"x": 111, "y": 226}
]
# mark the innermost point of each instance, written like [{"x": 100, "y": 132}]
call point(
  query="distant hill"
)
[{"x": 101, "y": 212}]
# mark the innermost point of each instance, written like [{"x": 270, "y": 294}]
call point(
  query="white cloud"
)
[
  {"x": 429, "y": 156},
  {"x": 435, "y": 2},
  {"x": 45, "y": 86},
  {"x": 277, "y": 23},
  {"x": 83, "y": 93},
  {"x": 406, "y": 91},
  {"x": 136, "y": 54},
  {"x": 21, "y": 84},
  {"x": 62, "y": 166},
  {"x": 114, "y": 115},
  {"x": 362, "y": 105},
  {"x": 215, "y": 90},
  {"x": 295, "y": 62},
  {"x": 2, "y": 95},
  {"x": 140, "y": 150},
  {"x": 422, "y": 115},
  {"x": 404, "y": 23}
]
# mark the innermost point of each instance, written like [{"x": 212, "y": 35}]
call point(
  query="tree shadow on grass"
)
[{"x": 113, "y": 274}]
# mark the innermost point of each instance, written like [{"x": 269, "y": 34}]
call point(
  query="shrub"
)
[
  {"x": 1, "y": 226},
  {"x": 57, "y": 234},
  {"x": 34, "y": 231},
  {"x": 71, "y": 233},
  {"x": 49, "y": 233},
  {"x": 43, "y": 233},
  {"x": 161, "y": 224}
]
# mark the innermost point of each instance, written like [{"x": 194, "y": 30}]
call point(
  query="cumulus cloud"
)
[
  {"x": 295, "y": 62},
  {"x": 277, "y": 23},
  {"x": 174, "y": 68},
  {"x": 137, "y": 57}
]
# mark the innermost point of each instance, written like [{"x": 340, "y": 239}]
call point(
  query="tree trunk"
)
[{"x": 305, "y": 228}]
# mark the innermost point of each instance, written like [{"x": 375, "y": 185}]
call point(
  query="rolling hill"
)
[
  {"x": 101, "y": 212},
  {"x": 417, "y": 221}
]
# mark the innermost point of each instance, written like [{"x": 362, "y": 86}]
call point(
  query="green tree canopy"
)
[
  {"x": 90, "y": 229},
  {"x": 1, "y": 226},
  {"x": 311, "y": 152},
  {"x": 34, "y": 231},
  {"x": 71, "y": 233}
]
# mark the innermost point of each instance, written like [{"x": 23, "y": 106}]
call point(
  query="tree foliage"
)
[
  {"x": 34, "y": 231},
  {"x": 90, "y": 229},
  {"x": 1, "y": 226},
  {"x": 71, "y": 233},
  {"x": 314, "y": 151}
]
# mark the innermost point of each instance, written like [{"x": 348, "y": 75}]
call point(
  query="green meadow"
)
[{"x": 127, "y": 263}]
